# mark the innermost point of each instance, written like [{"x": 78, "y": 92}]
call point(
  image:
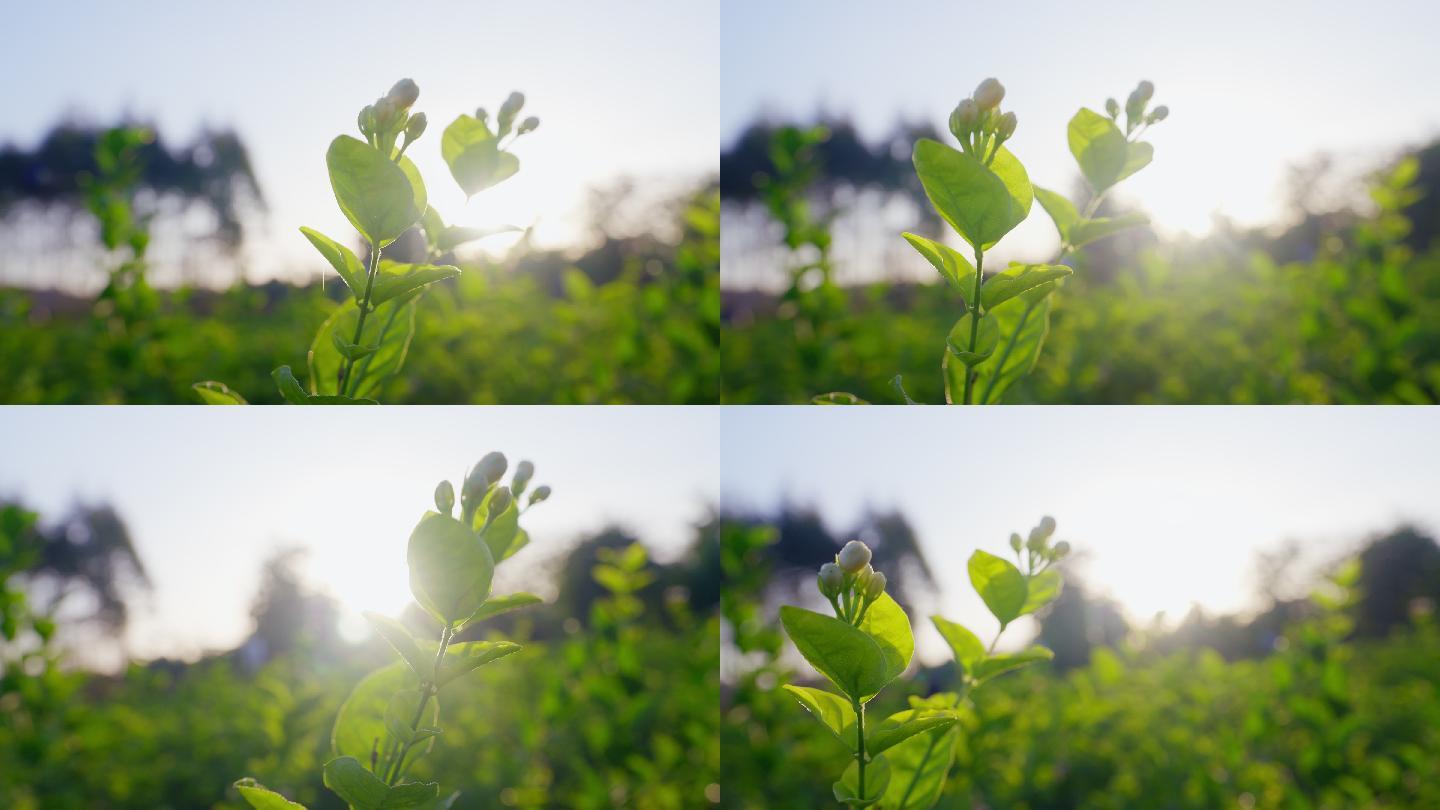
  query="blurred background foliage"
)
[
  {"x": 1337, "y": 304},
  {"x": 612, "y": 702},
  {"x": 631, "y": 316},
  {"x": 1330, "y": 700}
]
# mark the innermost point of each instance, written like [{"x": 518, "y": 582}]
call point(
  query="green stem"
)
[
  {"x": 974, "y": 322},
  {"x": 427, "y": 691},
  {"x": 860, "y": 745},
  {"x": 370, "y": 273}
]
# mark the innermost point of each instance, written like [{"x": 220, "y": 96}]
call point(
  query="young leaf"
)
[
  {"x": 877, "y": 777},
  {"x": 901, "y": 726},
  {"x": 399, "y": 713},
  {"x": 471, "y": 151},
  {"x": 1023, "y": 322},
  {"x": 986, "y": 339},
  {"x": 1092, "y": 229},
  {"x": 1100, "y": 148},
  {"x": 450, "y": 569},
  {"x": 218, "y": 393},
  {"x": 360, "y": 723},
  {"x": 887, "y": 623},
  {"x": 290, "y": 387},
  {"x": 350, "y": 350},
  {"x": 496, "y": 605},
  {"x": 344, "y": 260},
  {"x": 389, "y": 328},
  {"x": 1005, "y": 662},
  {"x": 1137, "y": 156},
  {"x": 999, "y": 583},
  {"x": 951, "y": 263},
  {"x": 1016, "y": 279},
  {"x": 470, "y": 656},
  {"x": 1041, "y": 589},
  {"x": 374, "y": 193},
  {"x": 964, "y": 645},
  {"x": 398, "y": 279},
  {"x": 851, "y": 659},
  {"x": 833, "y": 711},
  {"x": 918, "y": 767},
  {"x": 978, "y": 202},
  {"x": 395, "y": 633},
  {"x": 1060, "y": 209},
  {"x": 500, "y": 534},
  {"x": 362, "y": 789},
  {"x": 263, "y": 798}
]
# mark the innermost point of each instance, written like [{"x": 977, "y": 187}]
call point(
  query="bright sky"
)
[
  {"x": 209, "y": 493},
  {"x": 1167, "y": 505},
  {"x": 622, "y": 87},
  {"x": 1252, "y": 87}
]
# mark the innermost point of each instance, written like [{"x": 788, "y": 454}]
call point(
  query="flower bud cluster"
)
[
  {"x": 978, "y": 123},
  {"x": 1039, "y": 552},
  {"x": 383, "y": 122},
  {"x": 850, "y": 583},
  {"x": 482, "y": 486},
  {"x": 506, "y": 117},
  {"x": 1136, "y": 106}
]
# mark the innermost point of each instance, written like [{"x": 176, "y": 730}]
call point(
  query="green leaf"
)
[
  {"x": 500, "y": 533},
  {"x": 389, "y": 328},
  {"x": 263, "y": 798},
  {"x": 837, "y": 398},
  {"x": 417, "y": 187},
  {"x": 350, "y": 350},
  {"x": 344, "y": 260},
  {"x": 374, "y": 193},
  {"x": 877, "y": 778},
  {"x": 999, "y": 583},
  {"x": 472, "y": 153},
  {"x": 470, "y": 656},
  {"x": 1137, "y": 156},
  {"x": 496, "y": 605},
  {"x": 1092, "y": 229},
  {"x": 1060, "y": 209},
  {"x": 899, "y": 727},
  {"x": 918, "y": 767},
  {"x": 450, "y": 568},
  {"x": 400, "y": 711},
  {"x": 887, "y": 623},
  {"x": 1016, "y": 279},
  {"x": 851, "y": 659},
  {"x": 218, "y": 393},
  {"x": 986, "y": 339},
  {"x": 360, "y": 723},
  {"x": 396, "y": 280},
  {"x": 833, "y": 711},
  {"x": 1023, "y": 322},
  {"x": 964, "y": 645},
  {"x": 1100, "y": 148},
  {"x": 395, "y": 633},
  {"x": 951, "y": 263},
  {"x": 1041, "y": 589},
  {"x": 364, "y": 790},
  {"x": 1006, "y": 662},
  {"x": 290, "y": 387},
  {"x": 981, "y": 203}
]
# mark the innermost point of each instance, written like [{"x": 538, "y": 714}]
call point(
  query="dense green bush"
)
[{"x": 1205, "y": 323}]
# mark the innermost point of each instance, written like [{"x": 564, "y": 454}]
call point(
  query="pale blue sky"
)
[
  {"x": 209, "y": 493},
  {"x": 1168, "y": 505},
  {"x": 622, "y": 87},
  {"x": 1252, "y": 87}
]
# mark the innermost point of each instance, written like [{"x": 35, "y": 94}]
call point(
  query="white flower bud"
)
[
  {"x": 1145, "y": 91},
  {"x": 445, "y": 497},
  {"x": 1006, "y": 127},
  {"x": 541, "y": 493},
  {"x": 1158, "y": 114},
  {"x": 529, "y": 125},
  {"x": 875, "y": 586},
  {"x": 1015, "y": 542},
  {"x": 1062, "y": 548},
  {"x": 1037, "y": 539},
  {"x": 1112, "y": 107},
  {"x": 524, "y": 471},
  {"x": 500, "y": 501},
  {"x": 989, "y": 94},
  {"x": 404, "y": 93},
  {"x": 491, "y": 468},
  {"x": 964, "y": 118},
  {"x": 1047, "y": 525},
  {"x": 416, "y": 127},
  {"x": 854, "y": 556},
  {"x": 831, "y": 580},
  {"x": 510, "y": 109}
]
